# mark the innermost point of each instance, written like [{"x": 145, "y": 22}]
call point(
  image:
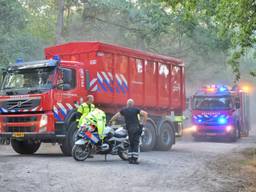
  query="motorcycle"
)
[{"x": 115, "y": 142}]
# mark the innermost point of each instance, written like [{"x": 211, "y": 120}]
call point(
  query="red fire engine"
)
[
  {"x": 39, "y": 99},
  {"x": 220, "y": 111}
]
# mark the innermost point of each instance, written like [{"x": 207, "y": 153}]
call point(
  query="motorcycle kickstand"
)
[{"x": 105, "y": 157}]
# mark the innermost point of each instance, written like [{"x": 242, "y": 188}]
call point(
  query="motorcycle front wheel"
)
[
  {"x": 81, "y": 152},
  {"x": 123, "y": 154}
]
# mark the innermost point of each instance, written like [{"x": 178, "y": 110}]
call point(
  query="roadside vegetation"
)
[{"x": 238, "y": 169}]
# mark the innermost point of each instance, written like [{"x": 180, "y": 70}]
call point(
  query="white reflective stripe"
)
[
  {"x": 41, "y": 109},
  {"x": 76, "y": 105},
  {"x": 4, "y": 110},
  {"x": 110, "y": 75},
  {"x": 105, "y": 76},
  {"x": 206, "y": 115},
  {"x": 93, "y": 81},
  {"x": 62, "y": 107},
  {"x": 25, "y": 110},
  {"x": 34, "y": 109},
  {"x": 99, "y": 76},
  {"x": 12, "y": 110},
  {"x": 69, "y": 106},
  {"x": 55, "y": 109},
  {"x": 95, "y": 88},
  {"x": 118, "y": 79},
  {"x": 124, "y": 79}
]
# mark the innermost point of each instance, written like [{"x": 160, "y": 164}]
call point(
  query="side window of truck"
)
[{"x": 66, "y": 79}]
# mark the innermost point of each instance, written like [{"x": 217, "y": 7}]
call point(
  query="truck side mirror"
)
[
  {"x": 191, "y": 101},
  {"x": 2, "y": 75},
  {"x": 87, "y": 77}
]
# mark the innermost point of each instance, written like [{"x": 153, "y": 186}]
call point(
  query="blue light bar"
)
[
  {"x": 56, "y": 58},
  {"x": 222, "y": 120},
  {"x": 19, "y": 60},
  {"x": 222, "y": 89}
]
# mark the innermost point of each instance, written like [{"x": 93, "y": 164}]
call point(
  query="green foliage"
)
[
  {"x": 201, "y": 32},
  {"x": 234, "y": 20},
  {"x": 12, "y": 16},
  {"x": 15, "y": 41}
]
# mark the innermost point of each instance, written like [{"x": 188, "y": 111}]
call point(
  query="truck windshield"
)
[
  {"x": 212, "y": 103},
  {"x": 25, "y": 81}
]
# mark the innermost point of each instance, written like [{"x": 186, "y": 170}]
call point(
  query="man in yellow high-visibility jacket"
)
[
  {"x": 84, "y": 109},
  {"x": 97, "y": 118}
]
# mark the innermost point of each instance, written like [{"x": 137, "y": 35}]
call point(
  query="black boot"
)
[{"x": 135, "y": 161}]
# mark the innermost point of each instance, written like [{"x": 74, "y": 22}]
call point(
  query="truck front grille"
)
[
  {"x": 20, "y": 129},
  {"x": 21, "y": 104},
  {"x": 19, "y": 119}
]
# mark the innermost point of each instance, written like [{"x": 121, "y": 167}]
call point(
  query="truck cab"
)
[
  {"x": 36, "y": 98},
  {"x": 219, "y": 111}
]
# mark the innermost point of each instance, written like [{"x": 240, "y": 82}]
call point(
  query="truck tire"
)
[
  {"x": 246, "y": 133},
  {"x": 67, "y": 145},
  {"x": 166, "y": 137},
  {"x": 24, "y": 147},
  {"x": 236, "y": 135},
  {"x": 149, "y": 137}
]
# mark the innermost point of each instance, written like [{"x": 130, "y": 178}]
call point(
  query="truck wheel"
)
[
  {"x": 24, "y": 147},
  {"x": 166, "y": 136},
  {"x": 67, "y": 145},
  {"x": 149, "y": 137},
  {"x": 246, "y": 133},
  {"x": 236, "y": 135}
]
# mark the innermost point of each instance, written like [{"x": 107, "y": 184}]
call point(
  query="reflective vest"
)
[
  {"x": 84, "y": 109},
  {"x": 179, "y": 118},
  {"x": 96, "y": 117}
]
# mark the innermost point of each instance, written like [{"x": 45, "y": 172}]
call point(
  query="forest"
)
[{"x": 215, "y": 38}]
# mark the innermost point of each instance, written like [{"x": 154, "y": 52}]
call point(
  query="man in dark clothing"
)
[{"x": 131, "y": 114}]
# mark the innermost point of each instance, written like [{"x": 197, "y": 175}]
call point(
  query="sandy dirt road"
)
[{"x": 187, "y": 167}]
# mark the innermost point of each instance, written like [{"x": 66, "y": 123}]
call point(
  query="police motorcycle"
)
[{"x": 114, "y": 140}]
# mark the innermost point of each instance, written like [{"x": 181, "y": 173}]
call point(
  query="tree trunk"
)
[{"x": 60, "y": 22}]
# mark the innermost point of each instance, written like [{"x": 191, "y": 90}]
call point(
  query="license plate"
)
[
  {"x": 18, "y": 134},
  {"x": 211, "y": 134}
]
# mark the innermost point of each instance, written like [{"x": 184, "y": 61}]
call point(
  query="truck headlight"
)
[
  {"x": 194, "y": 128},
  {"x": 229, "y": 128},
  {"x": 43, "y": 121}
]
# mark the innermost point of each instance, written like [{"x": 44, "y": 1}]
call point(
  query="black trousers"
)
[{"x": 134, "y": 132}]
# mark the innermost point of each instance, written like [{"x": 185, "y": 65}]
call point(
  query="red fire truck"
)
[
  {"x": 39, "y": 99},
  {"x": 219, "y": 111}
]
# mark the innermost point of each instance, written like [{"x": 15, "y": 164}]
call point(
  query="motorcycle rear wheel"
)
[{"x": 81, "y": 152}]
